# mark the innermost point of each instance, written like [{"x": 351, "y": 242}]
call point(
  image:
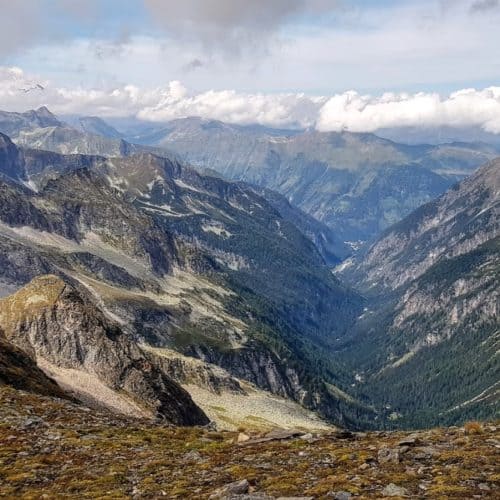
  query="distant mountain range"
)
[
  {"x": 440, "y": 135},
  {"x": 357, "y": 184},
  {"x": 40, "y": 129}
]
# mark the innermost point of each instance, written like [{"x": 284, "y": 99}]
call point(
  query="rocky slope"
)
[
  {"x": 70, "y": 338},
  {"x": 19, "y": 370},
  {"x": 53, "y": 446},
  {"x": 433, "y": 318},
  {"x": 464, "y": 218},
  {"x": 233, "y": 403},
  {"x": 358, "y": 184},
  {"x": 185, "y": 261}
]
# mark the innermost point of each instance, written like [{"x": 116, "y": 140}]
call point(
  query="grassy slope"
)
[{"x": 76, "y": 453}]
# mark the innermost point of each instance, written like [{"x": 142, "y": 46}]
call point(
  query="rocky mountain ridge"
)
[
  {"x": 90, "y": 357},
  {"x": 184, "y": 261}
]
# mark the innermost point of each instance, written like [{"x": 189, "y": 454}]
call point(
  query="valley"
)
[
  {"x": 237, "y": 279},
  {"x": 249, "y": 250}
]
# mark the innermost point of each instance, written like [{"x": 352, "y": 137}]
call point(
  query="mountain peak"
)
[
  {"x": 44, "y": 111},
  {"x": 97, "y": 126},
  {"x": 43, "y": 117},
  {"x": 11, "y": 159},
  {"x": 40, "y": 293}
]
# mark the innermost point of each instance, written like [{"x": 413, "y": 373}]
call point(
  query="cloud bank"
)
[
  {"x": 231, "y": 25},
  {"x": 357, "y": 113},
  {"x": 345, "y": 111}
]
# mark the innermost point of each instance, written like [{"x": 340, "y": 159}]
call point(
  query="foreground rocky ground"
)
[{"x": 50, "y": 448}]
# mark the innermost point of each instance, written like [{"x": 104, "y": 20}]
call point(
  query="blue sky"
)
[
  {"x": 437, "y": 45},
  {"x": 312, "y": 47}
]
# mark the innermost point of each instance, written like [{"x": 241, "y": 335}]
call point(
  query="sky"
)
[{"x": 359, "y": 65}]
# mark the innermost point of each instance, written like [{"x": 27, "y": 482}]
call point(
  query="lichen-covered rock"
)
[{"x": 227, "y": 491}]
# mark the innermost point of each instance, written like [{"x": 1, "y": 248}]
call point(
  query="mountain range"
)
[
  {"x": 357, "y": 184},
  {"x": 220, "y": 288},
  {"x": 40, "y": 129},
  {"x": 181, "y": 261}
]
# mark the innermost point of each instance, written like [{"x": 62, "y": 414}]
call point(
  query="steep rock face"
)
[
  {"x": 358, "y": 184},
  {"x": 232, "y": 403},
  {"x": 58, "y": 325},
  {"x": 20, "y": 371},
  {"x": 430, "y": 331},
  {"x": 11, "y": 159},
  {"x": 191, "y": 371},
  {"x": 261, "y": 368}
]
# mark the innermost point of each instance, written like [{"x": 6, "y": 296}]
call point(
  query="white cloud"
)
[
  {"x": 344, "y": 111},
  {"x": 358, "y": 113},
  {"x": 278, "y": 110}
]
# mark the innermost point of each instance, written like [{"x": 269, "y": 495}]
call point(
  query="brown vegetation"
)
[{"x": 53, "y": 447}]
